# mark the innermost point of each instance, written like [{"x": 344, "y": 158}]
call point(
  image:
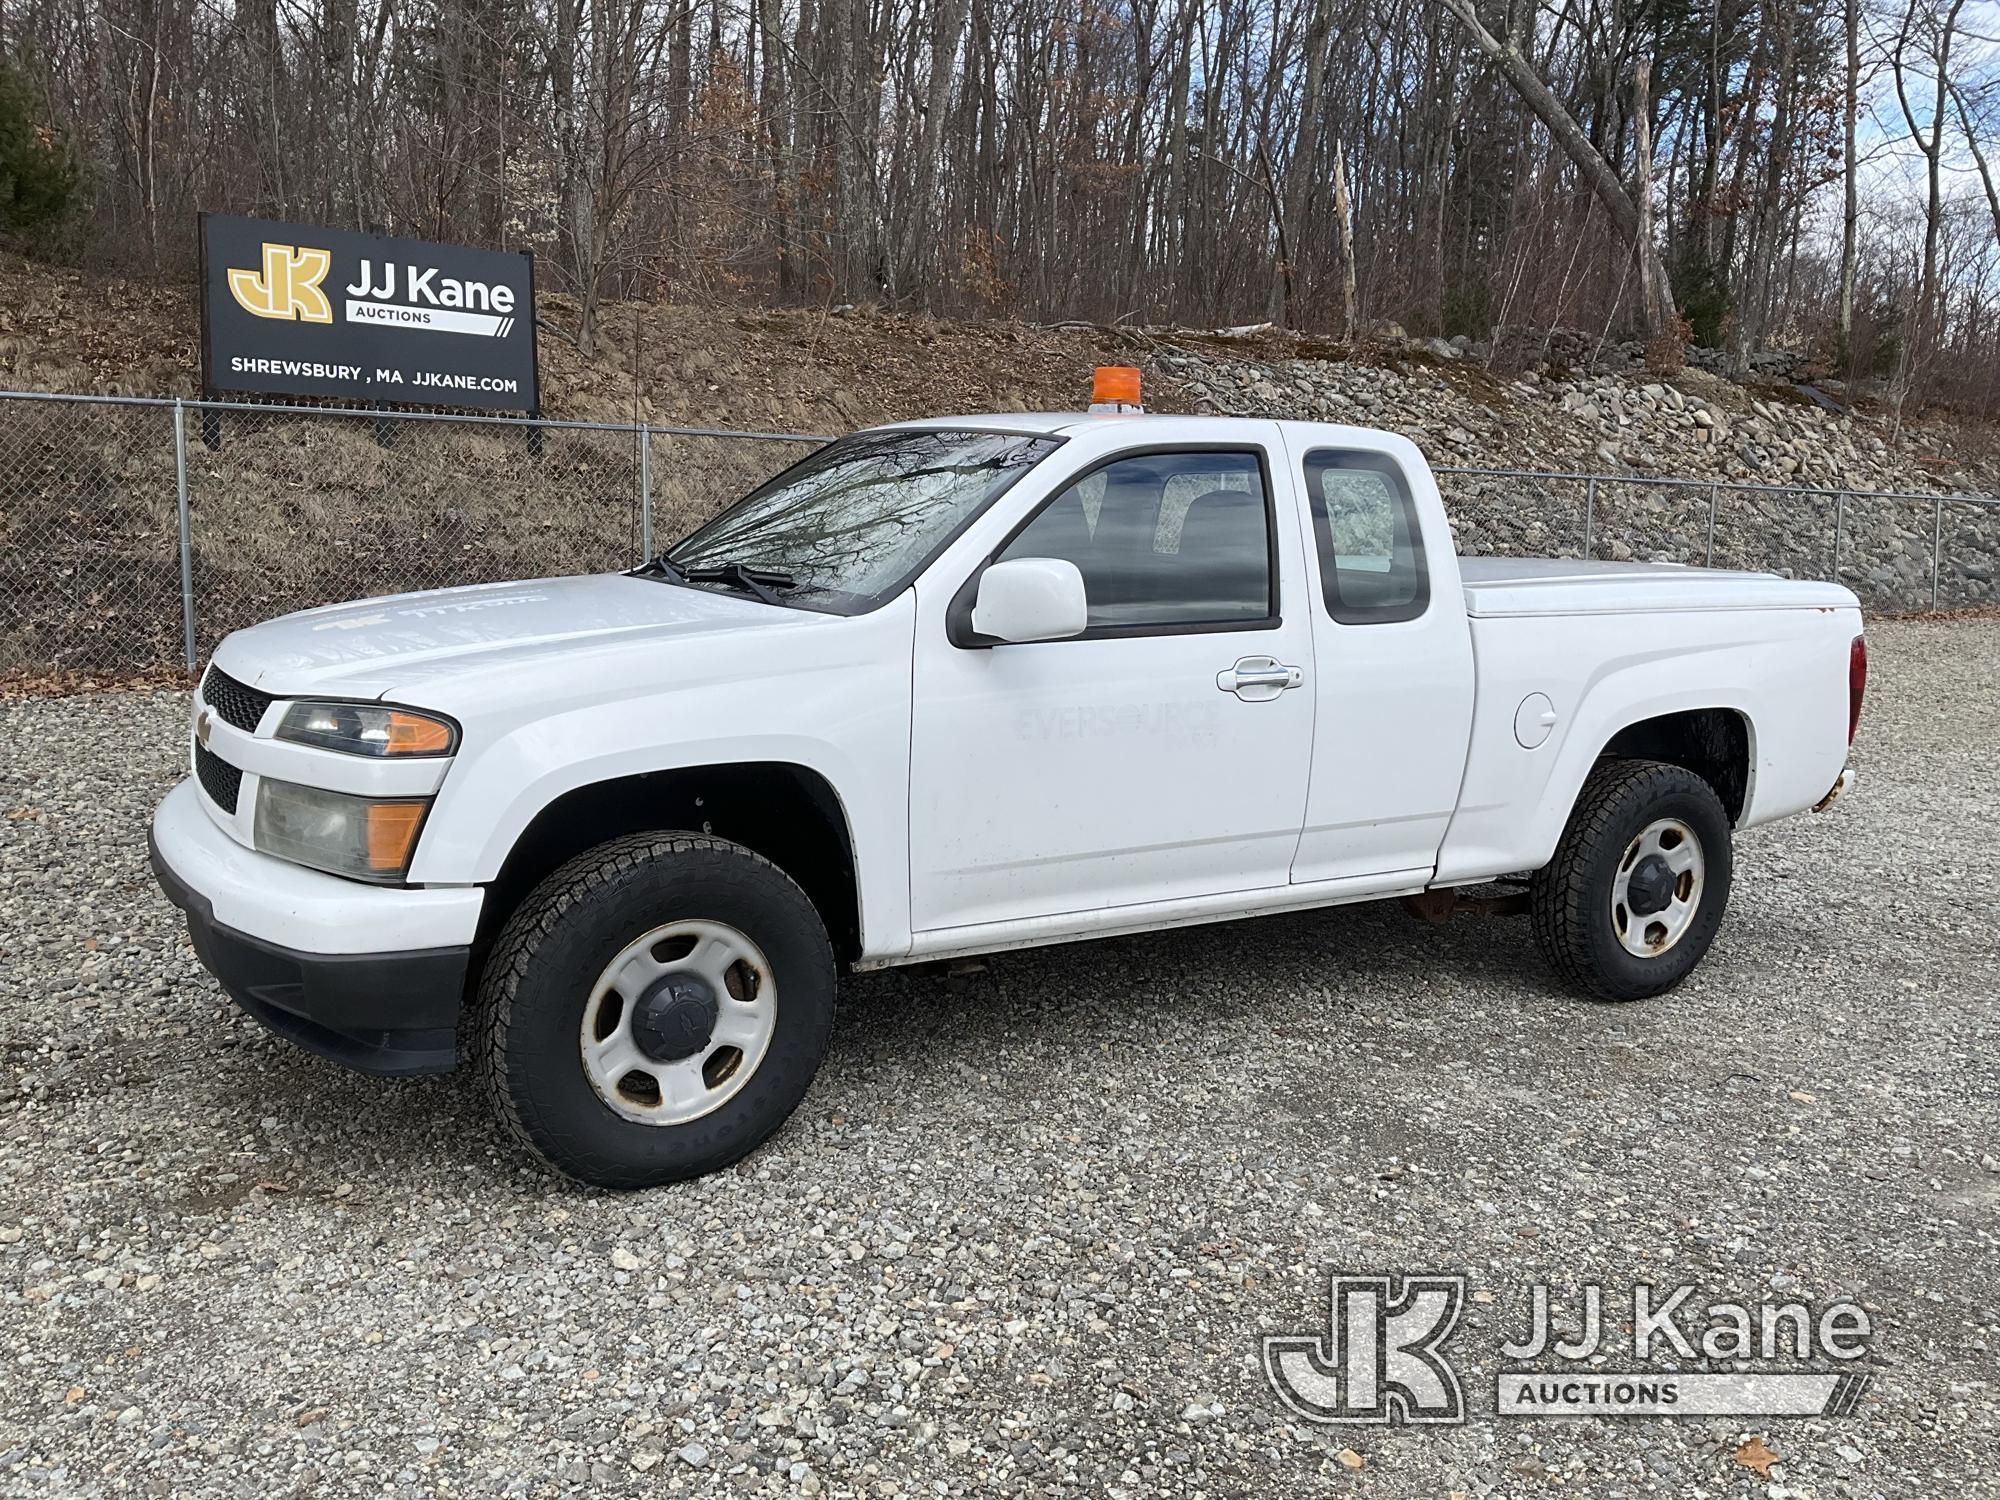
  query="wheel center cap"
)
[
  {"x": 675, "y": 1018},
  {"x": 1651, "y": 887}
]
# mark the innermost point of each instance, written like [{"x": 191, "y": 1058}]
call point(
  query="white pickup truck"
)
[{"x": 950, "y": 687}]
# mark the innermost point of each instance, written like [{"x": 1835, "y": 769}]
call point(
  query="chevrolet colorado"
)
[{"x": 949, "y": 687}]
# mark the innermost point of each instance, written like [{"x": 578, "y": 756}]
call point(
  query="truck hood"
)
[{"x": 374, "y": 647}]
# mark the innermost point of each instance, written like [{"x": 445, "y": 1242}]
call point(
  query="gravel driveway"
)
[{"x": 1031, "y": 1224}]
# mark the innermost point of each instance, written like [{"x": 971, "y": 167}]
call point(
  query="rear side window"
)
[
  {"x": 1371, "y": 553},
  {"x": 1164, "y": 541}
]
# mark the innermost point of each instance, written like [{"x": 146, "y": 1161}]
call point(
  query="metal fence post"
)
[
  {"x": 186, "y": 537},
  {"x": 1714, "y": 500},
  {"x": 1589, "y": 511},
  {"x": 645, "y": 493},
  {"x": 1937, "y": 548},
  {"x": 1839, "y": 527}
]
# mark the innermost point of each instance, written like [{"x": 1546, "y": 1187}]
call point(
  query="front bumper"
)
[{"x": 392, "y": 1012}]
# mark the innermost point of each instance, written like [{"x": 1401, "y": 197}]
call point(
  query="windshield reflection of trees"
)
[{"x": 857, "y": 515}]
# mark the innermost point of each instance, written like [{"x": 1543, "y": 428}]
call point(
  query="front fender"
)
[{"x": 838, "y": 706}]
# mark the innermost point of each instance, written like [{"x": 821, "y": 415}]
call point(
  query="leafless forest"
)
[{"x": 1811, "y": 173}]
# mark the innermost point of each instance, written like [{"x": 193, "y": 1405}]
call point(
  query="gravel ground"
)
[{"x": 1031, "y": 1224}]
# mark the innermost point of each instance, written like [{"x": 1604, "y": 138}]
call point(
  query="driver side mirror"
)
[{"x": 1031, "y": 599}]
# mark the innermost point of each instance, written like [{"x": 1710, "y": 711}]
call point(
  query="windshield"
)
[{"x": 852, "y": 524}]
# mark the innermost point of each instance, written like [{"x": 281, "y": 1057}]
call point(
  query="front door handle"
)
[{"x": 1258, "y": 679}]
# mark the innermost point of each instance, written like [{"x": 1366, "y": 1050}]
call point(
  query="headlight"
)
[
  {"x": 363, "y": 838},
  {"x": 367, "y": 729}
]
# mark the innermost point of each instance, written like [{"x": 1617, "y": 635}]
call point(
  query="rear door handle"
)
[{"x": 1258, "y": 679}]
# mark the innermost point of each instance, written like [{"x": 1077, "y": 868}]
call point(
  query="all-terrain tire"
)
[
  {"x": 1571, "y": 898},
  {"x": 523, "y": 1036}
]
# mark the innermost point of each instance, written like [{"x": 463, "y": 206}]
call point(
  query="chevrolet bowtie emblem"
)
[{"x": 201, "y": 727}]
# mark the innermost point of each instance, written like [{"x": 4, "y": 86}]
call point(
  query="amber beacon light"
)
[{"x": 1115, "y": 388}]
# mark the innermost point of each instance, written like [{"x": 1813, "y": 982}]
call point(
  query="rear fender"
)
[{"x": 1782, "y": 671}]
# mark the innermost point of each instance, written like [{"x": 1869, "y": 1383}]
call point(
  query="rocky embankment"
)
[{"x": 1774, "y": 473}]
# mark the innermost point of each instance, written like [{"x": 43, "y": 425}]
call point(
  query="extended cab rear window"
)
[{"x": 1371, "y": 551}]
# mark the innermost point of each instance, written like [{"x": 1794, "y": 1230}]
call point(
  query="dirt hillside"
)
[
  {"x": 787, "y": 370},
  {"x": 1548, "y": 402}
]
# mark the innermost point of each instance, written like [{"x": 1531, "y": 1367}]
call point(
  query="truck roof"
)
[
  {"x": 1066, "y": 423},
  {"x": 1203, "y": 425},
  {"x": 1030, "y": 421}
]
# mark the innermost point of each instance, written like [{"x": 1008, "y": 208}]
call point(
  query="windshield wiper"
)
[
  {"x": 742, "y": 577},
  {"x": 758, "y": 581}
]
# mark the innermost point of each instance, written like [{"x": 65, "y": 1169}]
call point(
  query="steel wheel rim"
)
[
  {"x": 1650, "y": 934},
  {"x": 685, "y": 1089}
]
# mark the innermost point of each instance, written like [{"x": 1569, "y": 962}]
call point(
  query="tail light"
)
[{"x": 1857, "y": 684}]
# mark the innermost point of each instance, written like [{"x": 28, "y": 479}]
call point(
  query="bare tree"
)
[
  {"x": 1921, "y": 54},
  {"x": 1850, "y": 221},
  {"x": 1450, "y": 167}
]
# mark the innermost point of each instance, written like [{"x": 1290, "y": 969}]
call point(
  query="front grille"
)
[
  {"x": 218, "y": 778},
  {"x": 235, "y": 704}
]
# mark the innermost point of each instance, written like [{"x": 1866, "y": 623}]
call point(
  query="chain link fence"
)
[
  {"x": 1896, "y": 550},
  {"x": 135, "y": 533}
]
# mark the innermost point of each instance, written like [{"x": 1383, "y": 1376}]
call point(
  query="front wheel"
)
[
  {"x": 655, "y": 1009},
  {"x": 1636, "y": 890}
]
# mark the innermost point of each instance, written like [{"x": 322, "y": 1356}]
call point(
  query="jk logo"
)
[
  {"x": 1380, "y": 1359},
  {"x": 288, "y": 286}
]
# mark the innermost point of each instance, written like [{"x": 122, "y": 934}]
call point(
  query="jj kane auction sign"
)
[{"x": 297, "y": 310}]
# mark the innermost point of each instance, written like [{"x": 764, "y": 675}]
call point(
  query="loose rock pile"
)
[
  {"x": 1573, "y": 348},
  {"x": 1803, "y": 462}
]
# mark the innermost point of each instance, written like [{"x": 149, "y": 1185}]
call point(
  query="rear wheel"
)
[
  {"x": 654, "y": 1010},
  {"x": 1637, "y": 888}
]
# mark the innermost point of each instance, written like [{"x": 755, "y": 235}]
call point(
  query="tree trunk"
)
[
  {"x": 1851, "y": 176},
  {"x": 1752, "y": 312},
  {"x": 777, "y": 138},
  {"x": 919, "y": 251},
  {"x": 680, "y": 71},
  {"x": 1520, "y": 74},
  {"x": 1173, "y": 220},
  {"x": 1929, "y": 140},
  {"x": 1343, "y": 217},
  {"x": 1656, "y": 297},
  {"x": 1979, "y": 160},
  {"x": 1298, "y": 168}
]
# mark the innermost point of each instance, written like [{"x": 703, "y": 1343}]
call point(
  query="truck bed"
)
[{"x": 1499, "y": 587}]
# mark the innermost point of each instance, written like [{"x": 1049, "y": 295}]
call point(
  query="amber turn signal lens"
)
[
  {"x": 412, "y": 734},
  {"x": 392, "y": 829},
  {"x": 1115, "y": 385}
]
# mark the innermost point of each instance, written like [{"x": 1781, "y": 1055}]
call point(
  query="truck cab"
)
[{"x": 952, "y": 687}]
